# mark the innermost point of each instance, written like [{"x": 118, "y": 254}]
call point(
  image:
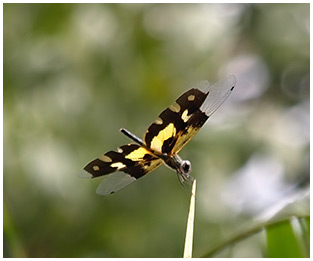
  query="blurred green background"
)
[{"x": 74, "y": 74}]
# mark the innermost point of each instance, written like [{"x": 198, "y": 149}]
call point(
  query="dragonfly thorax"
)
[{"x": 176, "y": 163}]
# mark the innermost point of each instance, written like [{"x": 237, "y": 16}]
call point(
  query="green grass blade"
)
[
  {"x": 190, "y": 223},
  {"x": 282, "y": 241}
]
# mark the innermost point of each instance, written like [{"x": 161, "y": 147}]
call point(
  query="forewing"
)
[
  {"x": 167, "y": 129},
  {"x": 177, "y": 124},
  {"x": 215, "y": 96}
]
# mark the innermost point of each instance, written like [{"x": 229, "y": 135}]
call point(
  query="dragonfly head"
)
[{"x": 185, "y": 167}]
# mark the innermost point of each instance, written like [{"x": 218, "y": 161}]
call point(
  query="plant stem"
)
[{"x": 190, "y": 223}]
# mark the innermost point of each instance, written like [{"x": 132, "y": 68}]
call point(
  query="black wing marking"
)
[{"x": 131, "y": 159}]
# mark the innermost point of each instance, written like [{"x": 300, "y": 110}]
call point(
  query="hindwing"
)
[{"x": 132, "y": 159}]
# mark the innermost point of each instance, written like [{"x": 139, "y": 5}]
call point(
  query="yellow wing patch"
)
[
  {"x": 137, "y": 154},
  {"x": 191, "y": 97},
  {"x": 95, "y": 168},
  {"x": 185, "y": 117},
  {"x": 163, "y": 135},
  {"x": 185, "y": 138},
  {"x": 175, "y": 107},
  {"x": 105, "y": 158},
  {"x": 118, "y": 165}
]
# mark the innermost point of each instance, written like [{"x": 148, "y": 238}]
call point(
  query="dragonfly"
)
[{"x": 162, "y": 141}]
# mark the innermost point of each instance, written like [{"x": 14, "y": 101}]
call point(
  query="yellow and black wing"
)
[
  {"x": 166, "y": 136},
  {"x": 132, "y": 161},
  {"x": 177, "y": 124}
]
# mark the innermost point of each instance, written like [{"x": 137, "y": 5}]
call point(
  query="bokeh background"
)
[{"x": 74, "y": 74}]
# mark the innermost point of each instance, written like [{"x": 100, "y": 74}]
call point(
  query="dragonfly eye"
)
[{"x": 185, "y": 167}]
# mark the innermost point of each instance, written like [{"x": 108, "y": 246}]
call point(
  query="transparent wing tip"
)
[
  {"x": 231, "y": 80},
  {"x": 84, "y": 174},
  {"x": 114, "y": 182},
  {"x": 217, "y": 94},
  {"x": 204, "y": 85}
]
